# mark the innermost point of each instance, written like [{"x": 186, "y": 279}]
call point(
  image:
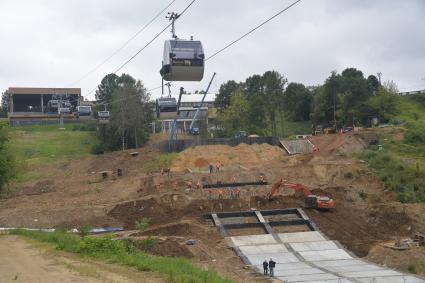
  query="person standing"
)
[
  {"x": 210, "y": 168},
  {"x": 266, "y": 267},
  {"x": 272, "y": 265}
]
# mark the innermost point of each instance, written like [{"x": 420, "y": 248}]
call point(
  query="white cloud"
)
[{"x": 53, "y": 43}]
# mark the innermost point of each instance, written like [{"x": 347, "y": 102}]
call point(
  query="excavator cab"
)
[{"x": 310, "y": 201}]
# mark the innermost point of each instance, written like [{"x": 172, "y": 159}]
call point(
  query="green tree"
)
[
  {"x": 130, "y": 115},
  {"x": 4, "y": 103},
  {"x": 225, "y": 92},
  {"x": 297, "y": 102},
  {"x": 273, "y": 83},
  {"x": 7, "y": 164},
  {"x": 235, "y": 117},
  {"x": 384, "y": 105}
]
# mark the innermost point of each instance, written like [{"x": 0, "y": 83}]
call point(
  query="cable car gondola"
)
[
  {"x": 183, "y": 60},
  {"x": 166, "y": 104},
  {"x": 103, "y": 117}
]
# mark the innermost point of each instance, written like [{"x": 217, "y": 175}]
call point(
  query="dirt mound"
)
[
  {"x": 158, "y": 208},
  {"x": 39, "y": 188},
  {"x": 243, "y": 154},
  {"x": 337, "y": 145}
]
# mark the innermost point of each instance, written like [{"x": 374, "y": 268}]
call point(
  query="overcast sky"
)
[{"x": 53, "y": 43}]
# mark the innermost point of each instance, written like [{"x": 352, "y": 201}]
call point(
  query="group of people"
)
[
  {"x": 269, "y": 266},
  {"x": 217, "y": 166}
]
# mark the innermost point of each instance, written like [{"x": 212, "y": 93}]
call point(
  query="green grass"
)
[
  {"x": 401, "y": 163},
  {"x": 104, "y": 248},
  {"x": 294, "y": 128},
  {"x": 162, "y": 161},
  {"x": 47, "y": 144}
]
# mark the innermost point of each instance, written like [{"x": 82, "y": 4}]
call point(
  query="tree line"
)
[{"x": 262, "y": 103}]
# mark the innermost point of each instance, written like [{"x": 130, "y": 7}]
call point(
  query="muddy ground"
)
[{"x": 76, "y": 196}]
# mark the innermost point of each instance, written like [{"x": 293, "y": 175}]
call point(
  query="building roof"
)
[
  {"x": 43, "y": 90},
  {"x": 210, "y": 97}
]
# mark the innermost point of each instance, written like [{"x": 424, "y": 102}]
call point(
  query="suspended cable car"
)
[
  {"x": 183, "y": 60},
  {"x": 103, "y": 117},
  {"x": 166, "y": 104}
]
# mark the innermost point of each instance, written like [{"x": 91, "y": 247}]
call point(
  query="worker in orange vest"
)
[
  {"x": 237, "y": 193},
  {"x": 199, "y": 185},
  {"x": 220, "y": 193}
]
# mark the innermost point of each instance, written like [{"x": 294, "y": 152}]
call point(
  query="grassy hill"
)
[
  {"x": 38, "y": 145},
  {"x": 401, "y": 163}
]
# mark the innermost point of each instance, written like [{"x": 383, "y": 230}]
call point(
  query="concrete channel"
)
[{"x": 306, "y": 256}]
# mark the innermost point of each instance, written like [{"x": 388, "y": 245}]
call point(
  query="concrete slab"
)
[
  {"x": 391, "y": 279},
  {"x": 371, "y": 273},
  {"x": 294, "y": 272},
  {"x": 278, "y": 258},
  {"x": 301, "y": 237},
  {"x": 252, "y": 240},
  {"x": 338, "y": 254},
  {"x": 354, "y": 268},
  {"x": 340, "y": 280},
  {"x": 307, "y": 278},
  {"x": 314, "y": 246},
  {"x": 260, "y": 249},
  {"x": 337, "y": 263}
]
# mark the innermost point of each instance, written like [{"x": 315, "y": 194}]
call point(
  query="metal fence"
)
[{"x": 180, "y": 145}]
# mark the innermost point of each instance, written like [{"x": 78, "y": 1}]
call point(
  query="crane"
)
[{"x": 311, "y": 200}]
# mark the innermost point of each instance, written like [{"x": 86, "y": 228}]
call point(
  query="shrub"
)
[
  {"x": 83, "y": 231},
  {"x": 412, "y": 269},
  {"x": 98, "y": 148},
  {"x": 348, "y": 175},
  {"x": 142, "y": 224},
  {"x": 101, "y": 246},
  {"x": 7, "y": 161},
  {"x": 363, "y": 195},
  {"x": 147, "y": 243},
  {"x": 415, "y": 136}
]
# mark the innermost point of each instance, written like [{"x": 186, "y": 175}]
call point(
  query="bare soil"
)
[
  {"x": 77, "y": 196},
  {"x": 22, "y": 262}
]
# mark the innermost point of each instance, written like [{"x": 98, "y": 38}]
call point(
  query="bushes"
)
[
  {"x": 7, "y": 162},
  {"x": 415, "y": 136},
  {"x": 404, "y": 179},
  {"x": 142, "y": 224},
  {"x": 98, "y": 148}
]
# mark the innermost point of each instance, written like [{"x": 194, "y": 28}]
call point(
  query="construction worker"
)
[
  {"x": 217, "y": 166},
  {"x": 262, "y": 180},
  {"x": 220, "y": 193},
  {"x": 199, "y": 184},
  {"x": 237, "y": 193}
]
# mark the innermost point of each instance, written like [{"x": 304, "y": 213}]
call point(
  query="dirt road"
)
[{"x": 21, "y": 262}]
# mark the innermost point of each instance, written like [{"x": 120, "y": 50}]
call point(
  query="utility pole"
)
[{"x": 379, "y": 77}]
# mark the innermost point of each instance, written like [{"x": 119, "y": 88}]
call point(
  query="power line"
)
[
  {"x": 252, "y": 30},
  {"x": 143, "y": 48},
  {"x": 123, "y": 45},
  {"x": 155, "y": 37}
]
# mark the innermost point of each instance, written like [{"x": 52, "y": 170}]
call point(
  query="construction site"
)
[{"x": 247, "y": 209}]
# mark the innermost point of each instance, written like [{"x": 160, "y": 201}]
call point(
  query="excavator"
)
[{"x": 311, "y": 200}]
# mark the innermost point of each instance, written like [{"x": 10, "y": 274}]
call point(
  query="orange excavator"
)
[{"x": 311, "y": 200}]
